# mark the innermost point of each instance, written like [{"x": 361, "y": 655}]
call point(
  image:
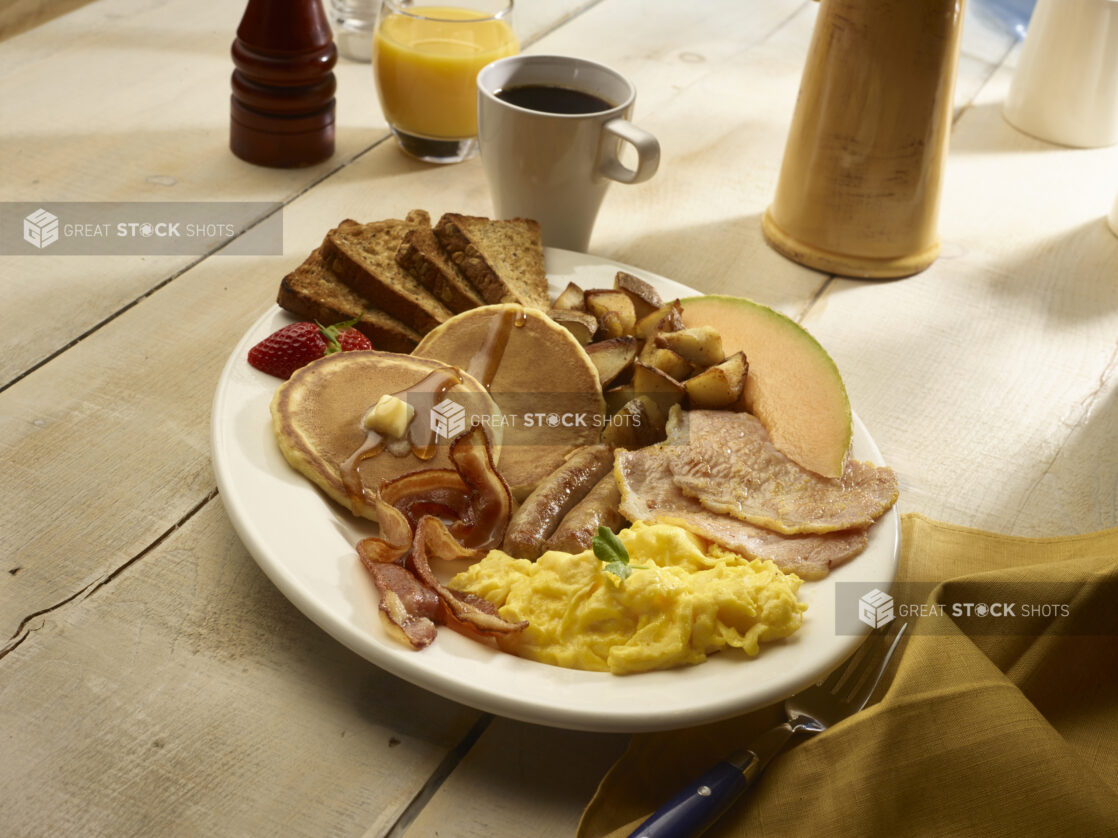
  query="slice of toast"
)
[
  {"x": 313, "y": 291},
  {"x": 503, "y": 259},
  {"x": 364, "y": 256},
  {"x": 421, "y": 254}
]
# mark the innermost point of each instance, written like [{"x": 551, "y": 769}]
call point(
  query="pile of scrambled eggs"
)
[{"x": 683, "y": 602}]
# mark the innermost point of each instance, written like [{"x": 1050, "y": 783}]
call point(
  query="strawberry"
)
[
  {"x": 296, "y": 345},
  {"x": 351, "y": 340}
]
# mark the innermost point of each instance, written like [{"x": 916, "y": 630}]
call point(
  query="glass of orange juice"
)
[{"x": 426, "y": 60}]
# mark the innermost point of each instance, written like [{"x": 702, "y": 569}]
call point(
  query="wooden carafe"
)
[
  {"x": 283, "y": 84},
  {"x": 860, "y": 182}
]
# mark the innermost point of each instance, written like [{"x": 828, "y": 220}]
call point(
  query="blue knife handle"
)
[
  {"x": 698, "y": 805},
  {"x": 701, "y": 803}
]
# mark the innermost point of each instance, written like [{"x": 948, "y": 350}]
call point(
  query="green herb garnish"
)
[{"x": 609, "y": 549}]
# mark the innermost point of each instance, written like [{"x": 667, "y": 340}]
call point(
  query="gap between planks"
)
[
  {"x": 23, "y": 631},
  {"x": 281, "y": 205},
  {"x": 435, "y": 782}
]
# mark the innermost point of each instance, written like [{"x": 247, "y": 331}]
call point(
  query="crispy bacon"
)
[
  {"x": 406, "y": 602},
  {"x": 413, "y": 511},
  {"x": 433, "y": 538},
  {"x": 492, "y": 507},
  {"x": 433, "y": 491}
]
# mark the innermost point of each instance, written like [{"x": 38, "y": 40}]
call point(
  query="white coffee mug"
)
[
  {"x": 1065, "y": 87},
  {"x": 556, "y": 167}
]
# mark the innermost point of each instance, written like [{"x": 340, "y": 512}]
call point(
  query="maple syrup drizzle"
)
[
  {"x": 351, "y": 478},
  {"x": 484, "y": 365},
  {"x": 421, "y": 436}
]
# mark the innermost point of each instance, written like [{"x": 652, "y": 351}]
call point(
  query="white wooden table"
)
[{"x": 152, "y": 680}]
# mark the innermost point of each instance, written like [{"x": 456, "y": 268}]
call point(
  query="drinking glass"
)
[
  {"x": 352, "y": 22},
  {"x": 425, "y": 61}
]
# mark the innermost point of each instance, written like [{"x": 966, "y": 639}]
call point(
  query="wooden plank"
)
[
  {"x": 517, "y": 769},
  {"x": 1007, "y": 355},
  {"x": 128, "y": 100},
  {"x": 18, "y": 16},
  {"x": 185, "y": 696},
  {"x": 107, "y": 446}
]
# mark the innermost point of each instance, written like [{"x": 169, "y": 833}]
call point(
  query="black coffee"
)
[{"x": 553, "y": 99}]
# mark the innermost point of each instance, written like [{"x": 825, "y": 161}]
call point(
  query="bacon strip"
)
[
  {"x": 492, "y": 507},
  {"x": 433, "y": 491},
  {"x": 406, "y": 602},
  {"x": 433, "y": 538},
  {"x": 412, "y": 511}
]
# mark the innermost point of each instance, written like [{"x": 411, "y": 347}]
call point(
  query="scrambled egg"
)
[{"x": 685, "y": 602}]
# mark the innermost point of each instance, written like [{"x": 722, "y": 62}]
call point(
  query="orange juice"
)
[{"x": 426, "y": 67}]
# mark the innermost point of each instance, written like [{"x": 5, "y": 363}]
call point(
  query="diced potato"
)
[
  {"x": 580, "y": 324},
  {"x": 617, "y": 395},
  {"x": 602, "y": 302},
  {"x": 668, "y": 361},
  {"x": 636, "y": 424},
  {"x": 571, "y": 299},
  {"x": 701, "y": 345},
  {"x": 610, "y": 325},
  {"x": 668, "y": 318},
  {"x": 645, "y": 298},
  {"x": 661, "y": 387},
  {"x": 613, "y": 357},
  {"x": 718, "y": 386}
]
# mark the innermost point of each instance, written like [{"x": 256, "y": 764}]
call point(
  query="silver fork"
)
[{"x": 811, "y": 711}]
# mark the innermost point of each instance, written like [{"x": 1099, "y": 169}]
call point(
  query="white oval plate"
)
[{"x": 304, "y": 543}]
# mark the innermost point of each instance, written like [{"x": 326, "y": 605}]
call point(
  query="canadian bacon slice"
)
[
  {"x": 727, "y": 462},
  {"x": 649, "y": 494}
]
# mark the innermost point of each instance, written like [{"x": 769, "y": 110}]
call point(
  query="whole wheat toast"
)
[
  {"x": 421, "y": 254},
  {"x": 314, "y": 292},
  {"x": 502, "y": 258},
  {"x": 364, "y": 256}
]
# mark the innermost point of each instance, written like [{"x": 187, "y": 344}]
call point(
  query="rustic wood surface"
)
[{"x": 152, "y": 680}]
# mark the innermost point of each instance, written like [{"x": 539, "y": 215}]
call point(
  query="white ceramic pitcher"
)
[{"x": 1065, "y": 88}]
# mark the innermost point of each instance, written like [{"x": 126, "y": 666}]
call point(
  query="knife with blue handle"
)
[{"x": 704, "y": 801}]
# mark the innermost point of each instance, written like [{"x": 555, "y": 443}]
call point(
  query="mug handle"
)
[{"x": 648, "y": 153}]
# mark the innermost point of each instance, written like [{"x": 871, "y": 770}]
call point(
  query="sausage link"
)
[
  {"x": 554, "y": 497},
  {"x": 599, "y": 508}
]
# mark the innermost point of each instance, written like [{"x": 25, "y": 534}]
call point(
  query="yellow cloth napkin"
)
[{"x": 976, "y": 735}]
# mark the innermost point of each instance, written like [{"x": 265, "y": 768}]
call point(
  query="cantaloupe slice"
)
[{"x": 793, "y": 386}]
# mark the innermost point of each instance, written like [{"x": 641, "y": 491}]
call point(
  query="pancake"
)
[
  {"x": 649, "y": 494},
  {"x": 727, "y": 463},
  {"x": 317, "y": 419},
  {"x": 541, "y": 378}
]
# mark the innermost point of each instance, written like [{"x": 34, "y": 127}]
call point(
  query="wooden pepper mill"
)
[{"x": 283, "y": 84}]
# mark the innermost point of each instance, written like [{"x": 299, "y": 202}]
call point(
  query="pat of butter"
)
[{"x": 390, "y": 417}]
